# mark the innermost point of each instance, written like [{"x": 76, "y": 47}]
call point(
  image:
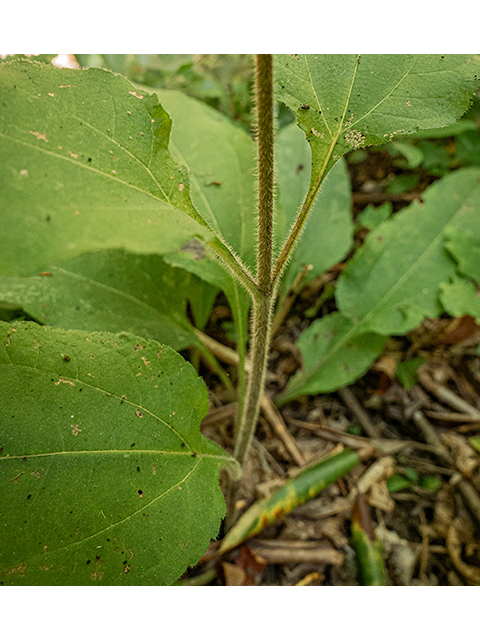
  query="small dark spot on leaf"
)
[
  {"x": 299, "y": 169},
  {"x": 305, "y": 107},
  {"x": 194, "y": 454},
  {"x": 183, "y": 444},
  {"x": 88, "y": 561},
  {"x": 138, "y": 468},
  {"x": 140, "y": 493},
  {"x": 380, "y": 238},
  {"x": 66, "y": 358},
  {"x": 89, "y": 160},
  {"x": 29, "y": 496},
  {"x": 47, "y": 219},
  {"x": 133, "y": 444}
]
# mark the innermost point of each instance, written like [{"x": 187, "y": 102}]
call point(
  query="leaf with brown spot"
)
[{"x": 79, "y": 473}]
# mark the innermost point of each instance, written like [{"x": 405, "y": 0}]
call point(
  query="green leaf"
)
[
  {"x": 84, "y": 166},
  {"x": 371, "y": 217},
  {"x": 449, "y": 131},
  {"x": 220, "y": 158},
  {"x": 397, "y": 482},
  {"x": 411, "y": 152},
  {"x": 464, "y": 246},
  {"x": 303, "y": 487},
  {"x": 402, "y": 183},
  {"x": 111, "y": 291},
  {"x": 475, "y": 442},
  {"x": 104, "y": 475},
  {"x": 345, "y": 102},
  {"x": 467, "y": 147},
  {"x": 329, "y": 230},
  {"x": 436, "y": 159},
  {"x": 334, "y": 354},
  {"x": 460, "y": 298},
  {"x": 393, "y": 280},
  {"x": 202, "y": 263},
  {"x": 406, "y": 372}
]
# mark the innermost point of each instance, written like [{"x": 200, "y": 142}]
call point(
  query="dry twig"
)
[{"x": 352, "y": 403}]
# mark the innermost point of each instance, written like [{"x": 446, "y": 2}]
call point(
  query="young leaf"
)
[
  {"x": 85, "y": 165},
  {"x": 329, "y": 230},
  {"x": 334, "y": 354},
  {"x": 295, "y": 492},
  {"x": 393, "y": 280},
  {"x": 345, "y": 102},
  {"x": 104, "y": 475},
  {"x": 111, "y": 291}
]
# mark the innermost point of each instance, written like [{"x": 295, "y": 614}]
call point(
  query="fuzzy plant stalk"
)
[{"x": 264, "y": 294}]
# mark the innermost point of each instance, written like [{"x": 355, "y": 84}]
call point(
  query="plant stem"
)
[
  {"x": 262, "y": 320},
  {"x": 296, "y": 231},
  {"x": 263, "y": 300},
  {"x": 235, "y": 265},
  {"x": 264, "y": 100}
]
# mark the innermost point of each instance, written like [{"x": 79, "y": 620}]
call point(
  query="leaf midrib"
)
[{"x": 133, "y": 452}]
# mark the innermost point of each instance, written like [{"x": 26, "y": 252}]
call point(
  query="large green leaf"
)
[
  {"x": 393, "y": 280},
  {"x": 334, "y": 353},
  {"x": 329, "y": 231},
  {"x": 105, "y": 477},
  {"x": 113, "y": 291},
  {"x": 85, "y": 165},
  {"x": 220, "y": 158},
  {"x": 344, "y": 102}
]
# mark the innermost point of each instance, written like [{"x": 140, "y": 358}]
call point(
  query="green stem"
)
[
  {"x": 235, "y": 265},
  {"x": 262, "y": 321},
  {"x": 296, "y": 231},
  {"x": 265, "y": 133},
  {"x": 263, "y": 300}
]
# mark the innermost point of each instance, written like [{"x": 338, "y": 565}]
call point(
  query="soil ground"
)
[{"x": 428, "y": 518}]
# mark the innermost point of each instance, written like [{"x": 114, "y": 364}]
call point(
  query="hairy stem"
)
[
  {"x": 264, "y": 100},
  {"x": 296, "y": 231},
  {"x": 263, "y": 301},
  {"x": 262, "y": 320},
  {"x": 235, "y": 266}
]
